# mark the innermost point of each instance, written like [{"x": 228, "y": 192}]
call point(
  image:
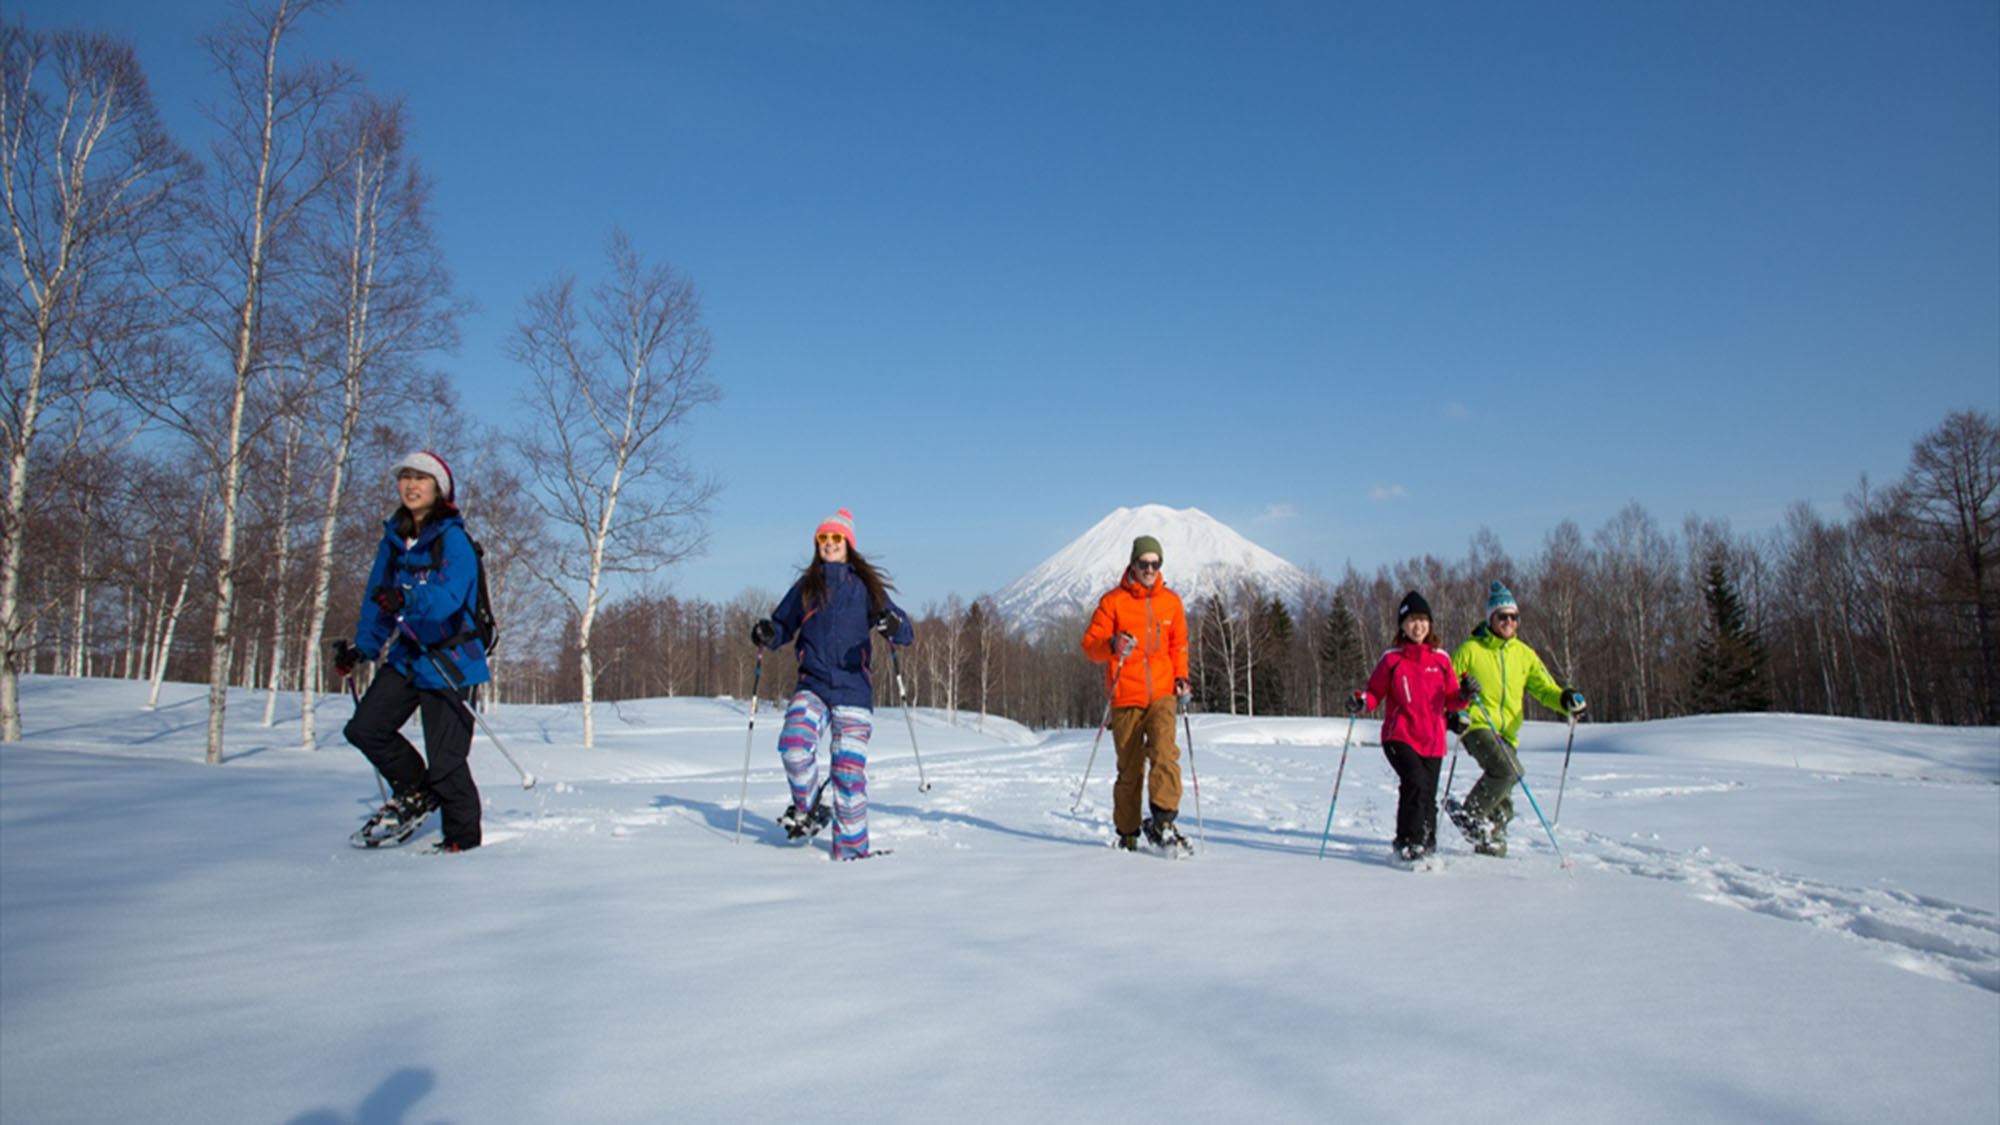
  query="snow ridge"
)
[{"x": 1202, "y": 556}]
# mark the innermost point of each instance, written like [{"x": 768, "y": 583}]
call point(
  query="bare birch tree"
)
[
  {"x": 92, "y": 185},
  {"x": 281, "y": 500},
  {"x": 1637, "y": 576},
  {"x": 613, "y": 378},
  {"x": 387, "y": 301},
  {"x": 1953, "y": 487},
  {"x": 1559, "y": 589},
  {"x": 266, "y": 180},
  {"x": 944, "y": 654},
  {"x": 173, "y": 513},
  {"x": 985, "y": 629}
]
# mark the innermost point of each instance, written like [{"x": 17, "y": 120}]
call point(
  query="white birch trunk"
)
[
  {"x": 281, "y": 551},
  {"x": 166, "y": 645}
]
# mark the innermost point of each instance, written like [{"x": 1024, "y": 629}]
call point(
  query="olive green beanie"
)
[{"x": 1145, "y": 544}]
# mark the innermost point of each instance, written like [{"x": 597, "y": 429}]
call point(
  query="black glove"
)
[
  {"x": 345, "y": 656},
  {"x": 1468, "y": 686},
  {"x": 1356, "y": 704},
  {"x": 763, "y": 633},
  {"x": 1122, "y": 643},
  {"x": 390, "y": 598},
  {"x": 1572, "y": 701},
  {"x": 886, "y": 623},
  {"x": 1454, "y": 721}
]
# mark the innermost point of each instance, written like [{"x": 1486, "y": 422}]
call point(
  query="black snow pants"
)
[
  {"x": 1416, "y": 800},
  {"x": 376, "y": 729}
]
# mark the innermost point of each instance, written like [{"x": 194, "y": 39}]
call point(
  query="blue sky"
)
[{"x": 1354, "y": 278}]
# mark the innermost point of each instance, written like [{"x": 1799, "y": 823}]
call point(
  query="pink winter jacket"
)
[{"x": 1417, "y": 685}]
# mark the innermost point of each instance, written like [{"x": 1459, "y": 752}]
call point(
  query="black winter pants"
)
[
  {"x": 376, "y": 729},
  {"x": 1416, "y": 800}
]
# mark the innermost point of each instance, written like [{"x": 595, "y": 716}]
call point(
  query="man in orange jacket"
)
[{"x": 1140, "y": 633}]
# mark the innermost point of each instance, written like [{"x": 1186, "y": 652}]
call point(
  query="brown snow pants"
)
[{"x": 1149, "y": 764}]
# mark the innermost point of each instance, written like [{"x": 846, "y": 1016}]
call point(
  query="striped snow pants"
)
[{"x": 847, "y": 761}]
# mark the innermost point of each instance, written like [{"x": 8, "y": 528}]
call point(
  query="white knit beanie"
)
[{"x": 432, "y": 466}]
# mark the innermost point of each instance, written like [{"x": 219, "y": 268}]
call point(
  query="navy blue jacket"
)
[
  {"x": 834, "y": 643},
  {"x": 439, "y": 604}
]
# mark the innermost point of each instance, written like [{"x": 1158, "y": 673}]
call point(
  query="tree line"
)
[
  {"x": 1889, "y": 614},
  {"x": 209, "y": 364}
]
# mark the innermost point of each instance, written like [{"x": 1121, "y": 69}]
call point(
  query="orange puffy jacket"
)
[{"x": 1154, "y": 617}]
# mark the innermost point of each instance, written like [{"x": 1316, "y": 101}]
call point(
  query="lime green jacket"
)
[{"x": 1504, "y": 669}]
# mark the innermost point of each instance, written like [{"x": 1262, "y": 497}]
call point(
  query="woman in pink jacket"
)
[{"x": 1415, "y": 684}]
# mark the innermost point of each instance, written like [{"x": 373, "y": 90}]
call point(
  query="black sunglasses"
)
[
  {"x": 1145, "y": 564},
  {"x": 1506, "y": 617}
]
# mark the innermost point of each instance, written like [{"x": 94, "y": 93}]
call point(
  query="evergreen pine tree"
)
[
  {"x": 1342, "y": 655},
  {"x": 1275, "y": 628},
  {"x": 1731, "y": 670}
]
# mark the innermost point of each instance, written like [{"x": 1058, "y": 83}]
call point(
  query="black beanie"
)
[{"x": 1413, "y": 602}]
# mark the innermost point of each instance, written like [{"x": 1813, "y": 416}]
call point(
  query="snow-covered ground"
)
[{"x": 1769, "y": 918}]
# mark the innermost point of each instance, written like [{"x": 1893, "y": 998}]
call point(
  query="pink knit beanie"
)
[{"x": 841, "y": 521}]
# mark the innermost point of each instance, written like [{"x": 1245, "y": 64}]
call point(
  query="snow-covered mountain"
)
[{"x": 1202, "y": 555}]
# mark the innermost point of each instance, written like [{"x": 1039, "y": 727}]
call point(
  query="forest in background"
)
[{"x": 1888, "y": 614}]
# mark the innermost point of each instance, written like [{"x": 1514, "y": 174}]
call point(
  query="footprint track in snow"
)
[{"x": 1924, "y": 934}]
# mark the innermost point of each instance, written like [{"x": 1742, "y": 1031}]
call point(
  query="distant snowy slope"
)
[{"x": 1203, "y": 556}]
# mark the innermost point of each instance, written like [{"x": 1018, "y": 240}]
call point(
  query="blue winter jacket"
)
[
  {"x": 834, "y": 643},
  {"x": 439, "y": 604}
]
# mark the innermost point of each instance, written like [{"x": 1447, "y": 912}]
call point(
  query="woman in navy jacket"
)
[
  {"x": 832, "y": 612},
  {"x": 420, "y": 599}
]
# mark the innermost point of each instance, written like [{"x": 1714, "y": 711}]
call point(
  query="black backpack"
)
[{"x": 483, "y": 628}]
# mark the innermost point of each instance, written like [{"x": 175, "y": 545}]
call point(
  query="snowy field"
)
[{"x": 1765, "y": 919}]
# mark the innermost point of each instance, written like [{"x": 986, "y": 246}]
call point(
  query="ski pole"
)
[
  {"x": 1522, "y": 780},
  {"x": 1101, "y": 724},
  {"x": 527, "y": 779},
  {"x": 749, "y": 737},
  {"x": 1194, "y": 775},
  {"x": 1337, "y": 775},
  {"x": 1565, "y": 774},
  {"x": 896, "y": 662},
  {"x": 355, "y": 691}
]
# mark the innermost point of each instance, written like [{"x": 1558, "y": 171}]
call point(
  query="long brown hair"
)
[{"x": 812, "y": 583}]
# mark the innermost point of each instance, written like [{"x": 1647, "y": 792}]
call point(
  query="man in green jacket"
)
[{"x": 1502, "y": 667}]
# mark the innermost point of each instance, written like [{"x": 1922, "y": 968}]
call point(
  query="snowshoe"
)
[
  {"x": 1476, "y": 830},
  {"x": 1416, "y": 857},
  {"x": 1424, "y": 861},
  {"x": 395, "y": 822},
  {"x": 804, "y": 824},
  {"x": 1128, "y": 841},
  {"x": 1163, "y": 833}
]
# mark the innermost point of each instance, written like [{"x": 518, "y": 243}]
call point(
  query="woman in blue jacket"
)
[
  {"x": 420, "y": 598},
  {"x": 833, "y": 612}
]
